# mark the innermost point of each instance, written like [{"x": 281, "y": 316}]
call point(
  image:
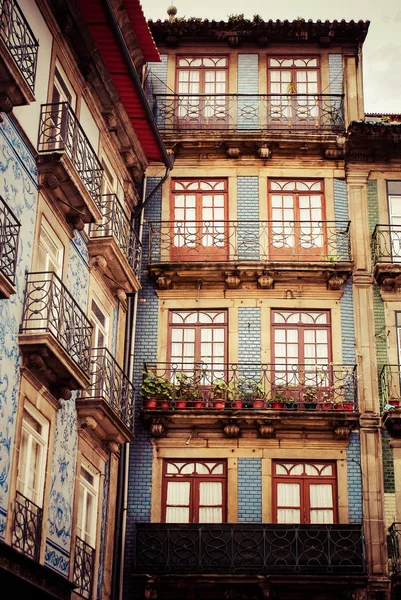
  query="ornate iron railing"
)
[
  {"x": 27, "y": 527},
  {"x": 49, "y": 307},
  {"x": 386, "y": 244},
  {"x": 60, "y": 130},
  {"x": 390, "y": 385},
  {"x": 19, "y": 39},
  {"x": 245, "y": 385},
  {"x": 83, "y": 568},
  {"x": 109, "y": 382},
  {"x": 233, "y": 241},
  {"x": 250, "y": 548},
  {"x": 9, "y": 238},
  {"x": 115, "y": 223},
  {"x": 247, "y": 112}
]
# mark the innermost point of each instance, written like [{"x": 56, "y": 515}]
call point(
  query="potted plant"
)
[
  {"x": 310, "y": 397},
  {"x": 279, "y": 399},
  {"x": 394, "y": 401},
  {"x": 219, "y": 393},
  {"x": 250, "y": 393},
  {"x": 156, "y": 390},
  {"x": 187, "y": 390}
]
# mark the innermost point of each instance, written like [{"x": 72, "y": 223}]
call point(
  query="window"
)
[
  {"x": 297, "y": 219},
  {"x": 32, "y": 457},
  {"x": 201, "y": 85},
  {"x": 294, "y": 84},
  {"x": 88, "y": 504},
  {"x": 301, "y": 348},
  {"x": 100, "y": 321},
  {"x": 199, "y": 338},
  {"x": 194, "y": 492},
  {"x": 199, "y": 211},
  {"x": 304, "y": 492},
  {"x": 394, "y": 206},
  {"x": 50, "y": 251}
]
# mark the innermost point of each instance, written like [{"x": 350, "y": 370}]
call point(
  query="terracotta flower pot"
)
[
  {"x": 326, "y": 406},
  {"x": 258, "y": 403},
  {"x": 219, "y": 403},
  {"x": 277, "y": 405},
  {"x": 164, "y": 404},
  {"x": 181, "y": 404},
  {"x": 394, "y": 401},
  {"x": 198, "y": 404},
  {"x": 150, "y": 403},
  {"x": 237, "y": 404},
  {"x": 348, "y": 406}
]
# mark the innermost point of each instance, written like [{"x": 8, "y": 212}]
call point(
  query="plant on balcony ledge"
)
[
  {"x": 248, "y": 393},
  {"x": 310, "y": 397},
  {"x": 220, "y": 392},
  {"x": 156, "y": 391},
  {"x": 187, "y": 391},
  {"x": 279, "y": 399}
]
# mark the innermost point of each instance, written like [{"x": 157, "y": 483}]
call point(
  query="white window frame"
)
[
  {"x": 57, "y": 259},
  {"x": 97, "y": 326},
  {"x": 87, "y": 524}
]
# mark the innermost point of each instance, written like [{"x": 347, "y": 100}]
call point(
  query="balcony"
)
[
  {"x": 390, "y": 385},
  {"x": 9, "y": 239},
  {"x": 261, "y": 252},
  {"x": 116, "y": 243},
  {"x": 55, "y": 335},
  {"x": 386, "y": 256},
  {"x": 240, "y": 118},
  {"x": 68, "y": 166},
  {"x": 18, "y": 57},
  {"x": 264, "y": 549},
  {"x": 27, "y": 527},
  {"x": 84, "y": 560},
  {"x": 109, "y": 401},
  {"x": 234, "y": 397}
]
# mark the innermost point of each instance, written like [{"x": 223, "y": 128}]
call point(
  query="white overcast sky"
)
[{"x": 382, "y": 47}]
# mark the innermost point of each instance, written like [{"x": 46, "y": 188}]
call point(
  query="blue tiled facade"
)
[
  {"x": 248, "y": 210},
  {"x": 249, "y": 490},
  {"x": 354, "y": 479}
]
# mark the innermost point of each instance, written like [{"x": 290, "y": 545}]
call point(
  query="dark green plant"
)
[{"x": 154, "y": 386}]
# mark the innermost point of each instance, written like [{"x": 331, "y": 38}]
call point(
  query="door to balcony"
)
[
  {"x": 199, "y": 220},
  {"x": 297, "y": 227},
  {"x": 394, "y": 203}
]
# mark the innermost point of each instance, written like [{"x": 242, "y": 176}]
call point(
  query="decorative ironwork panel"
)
[
  {"x": 249, "y": 385},
  {"x": 19, "y": 39},
  {"x": 390, "y": 384},
  {"x": 27, "y": 527},
  {"x": 49, "y": 307},
  {"x": 247, "y": 112},
  {"x": 266, "y": 241},
  {"x": 386, "y": 244},
  {"x": 9, "y": 238},
  {"x": 83, "y": 568},
  {"x": 115, "y": 223},
  {"x": 264, "y": 549},
  {"x": 109, "y": 382},
  {"x": 60, "y": 130}
]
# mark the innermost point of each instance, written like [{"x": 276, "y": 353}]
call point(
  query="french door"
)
[
  {"x": 304, "y": 492},
  {"x": 394, "y": 202},
  {"x": 199, "y": 220}
]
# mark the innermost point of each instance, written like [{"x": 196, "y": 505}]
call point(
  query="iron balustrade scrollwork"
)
[
  {"x": 265, "y": 241},
  {"x": 109, "y": 382},
  {"x": 83, "y": 574},
  {"x": 9, "y": 238},
  {"x": 247, "y": 112},
  {"x": 19, "y": 39},
  {"x": 27, "y": 527},
  {"x": 116, "y": 223},
  {"x": 386, "y": 244},
  {"x": 390, "y": 384},
  {"x": 249, "y": 548},
  {"x": 250, "y": 385},
  {"x": 60, "y": 130},
  {"x": 49, "y": 307}
]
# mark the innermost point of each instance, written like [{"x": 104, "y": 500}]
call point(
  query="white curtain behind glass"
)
[
  {"x": 288, "y": 495},
  {"x": 210, "y": 502},
  {"x": 177, "y": 502}
]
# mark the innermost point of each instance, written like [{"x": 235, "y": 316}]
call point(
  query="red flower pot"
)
[
  {"x": 164, "y": 404},
  {"x": 181, "y": 404},
  {"x": 348, "y": 406},
  {"x": 326, "y": 406},
  {"x": 394, "y": 401},
  {"x": 219, "y": 404},
  {"x": 237, "y": 404},
  {"x": 258, "y": 403},
  {"x": 277, "y": 405},
  {"x": 198, "y": 404},
  {"x": 150, "y": 403}
]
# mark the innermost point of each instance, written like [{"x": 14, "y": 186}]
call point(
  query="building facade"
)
[
  {"x": 77, "y": 135},
  {"x": 265, "y": 462}
]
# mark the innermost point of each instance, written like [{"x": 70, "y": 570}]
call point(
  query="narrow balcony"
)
[
  {"x": 27, "y": 527},
  {"x": 246, "y": 394},
  {"x": 390, "y": 385},
  {"x": 68, "y": 166},
  {"x": 108, "y": 403},
  {"x": 249, "y": 112},
  {"x": 84, "y": 561},
  {"x": 386, "y": 256},
  {"x": 115, "y": 246},
  {"x": 18, "y": 57},
  {"x": 55, "y": 335},
  {"x": 265, "y": 549},
  {"x": 237, "y": 252},
  {"x": 9, "y": 239}
]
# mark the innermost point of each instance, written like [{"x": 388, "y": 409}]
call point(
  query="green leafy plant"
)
[
  {"x": 156, "y": 387},
  {"x": 187, "y": 387}
]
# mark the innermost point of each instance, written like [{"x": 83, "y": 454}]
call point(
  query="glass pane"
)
[
  {"x": 322, "y": 516},
  {"x": 288, "y": 494},
  {"x": 178, "y": 493},
  {"x": 211, "y": 493},
  {"x": 321, "y": 495},
  {"x": 210, "y": 515},
  {"x": 288, "y": 515},
  {"x": 177, "y": 514}
]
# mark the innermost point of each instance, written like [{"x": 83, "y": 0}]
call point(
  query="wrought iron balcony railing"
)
[
  {"x": 249, "y": 548},
  {"x": 390, "y": 384},
  {"x": 19, "y": 39},
  {"x": 110, "y": 383},
  {"x": 249, "y": 112},
  {"x": 60, "y": 131},
  {"x": 9, "y": 238},
  {"x": 115, "y": 223},
  {"x": 50, "y": 308},
  {"x": 257, "y": 386},
  {"x": 386, "y": 244},
  {"x": 27, "y": 527},
  {"x": 83, "y": 568},
  {"x": 255, "y": 241}
]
